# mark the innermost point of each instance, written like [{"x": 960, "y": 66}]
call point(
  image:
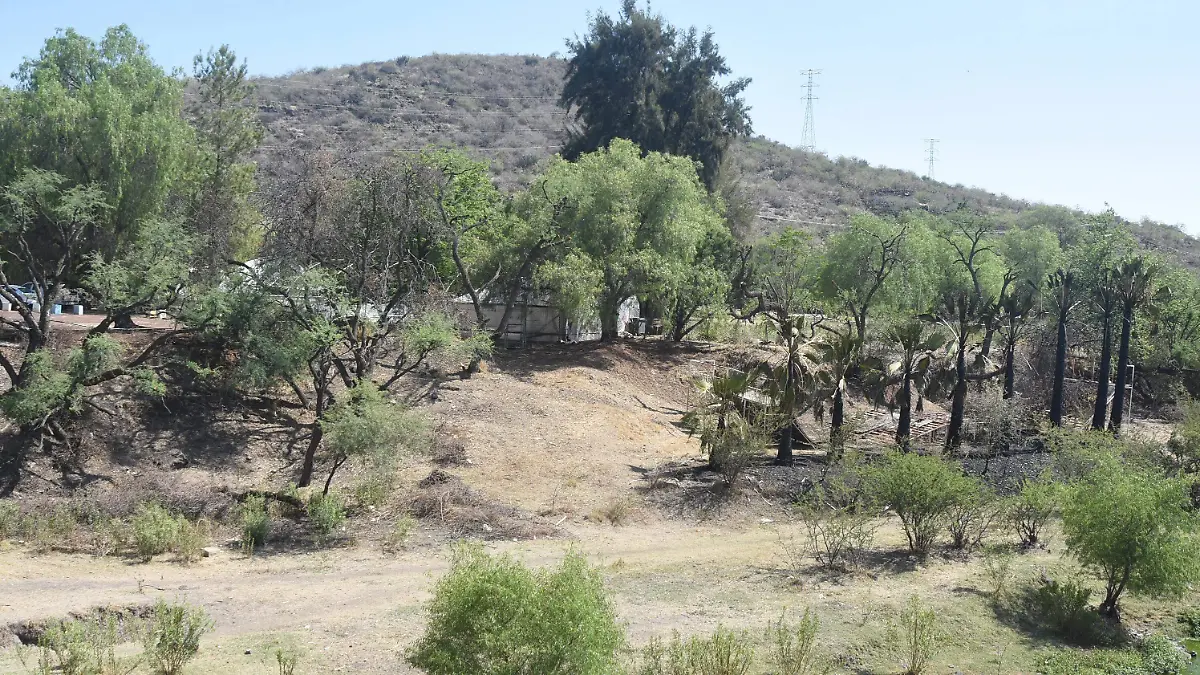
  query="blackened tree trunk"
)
[
  {"x": 904, "y": 426},
  {"x": 1060, "y": 372},
  {"x": 784, "y": 456},
  {"x": 1118, "y": 409},
  {"x": 836, "y": 424},
  {"x": 1100, "y": 412},
  {"x": 1010, "y": 370},
  {"x": 310, "y": 456},
  {"x": 958, "y": 398}
]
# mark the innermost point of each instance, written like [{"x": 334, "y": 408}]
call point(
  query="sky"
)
[{"x": 1075, "y": 102}]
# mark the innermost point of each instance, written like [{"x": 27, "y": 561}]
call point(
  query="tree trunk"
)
[
  {"x": 1118, "y": 409},
  {"x": 310, "y": 456},
  {"x": 1060, "y": 372},
  {"x": 904, "y": 426},
  {"x": 835, "y": 427},
  {"x": 1100, "y": 412},
  {"x": 609, "y": 330},
  {"x": 784, "y": 456},
  {"x": 1010, "y": 371},
  {"x": 124, "y": 320},
  {"x": 958, "y": 403}
]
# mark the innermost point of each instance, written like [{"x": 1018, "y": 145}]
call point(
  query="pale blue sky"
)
[{"x": 1066, "y": 101}]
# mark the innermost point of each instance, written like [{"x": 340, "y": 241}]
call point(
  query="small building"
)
[{"x": 537, "y": 320}]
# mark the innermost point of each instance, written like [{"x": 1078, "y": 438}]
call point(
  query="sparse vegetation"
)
[
  {"x": 792, "y": 649},
  {"x": 917, "y": 636},
  {"x": 722, "y": 653},
  {"x": 255, "y": 522}
]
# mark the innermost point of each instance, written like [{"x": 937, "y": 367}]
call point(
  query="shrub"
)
[
  {"x": 173, "y": 635},
  {"x": 793, "y": 649},
  {"x": 493, "y": 615},
  {"x": 724, "y": 653},
  {"x": 921, "y": 490},
  {"x": 997, "y": 566},
  {"x": 733, "y": 448},
  {"x": 1190, "y": 618},
  {"x": 615, "y": 512},
  {"x": 400, "y": 534},
  {"x": 1134, "y": 530},
  {"x": 82, "y": 647},
  {"x": 10, "y": 519},
  {"x": 1062, "y": 608},
  {"x": 256, "y": 522},
  {"x": 190, "y": 540},
  {"x": 326, "y": 512},
  {"x": 109, "y": 536},
  {"x": 286, "y": 659},
  {"x": 917, "y": 638},
  {"x": 969, "y": 520},
  {"x": 1155, "y": 656},
  {"x": 837, "y": 536},
  {"x": 1031, "y": 509},
  {"x": 154, "y": 530}
]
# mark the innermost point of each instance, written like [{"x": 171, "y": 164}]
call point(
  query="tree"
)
[
  {"x": 967, "y": 297},
  {"x": 858, "y": 262},
  {"x": 1134, "y": 530},
  {"x": 1104, "y": 295},
  {"x": 632, "y": 223},
  {"x": 639, "y": 78},
  {"x": 701, "y": 292},
  {"x": 839, "y": 353},
  {"x": 777, "y": 289},
  {"x": 1064, "y": 300},
  {"x": 917, "y": 344},
  {"x": 1135, "y": 287},
  {"x": 101, "y": 114},
  {"x": 355, "y": 257},
  {"x": 227, "y": 130}
]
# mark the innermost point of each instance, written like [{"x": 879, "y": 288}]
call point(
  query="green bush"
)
[
  {"x": 1134, "y": 530},
  {"x": 1190, "y": 619},
  {"x": 190, "y": 540},
  {"x": 82, "y": 647},
  {"x": 172, "y": 636},
  {"x": 1031, "y": 509},
  {"x": 1062, "y": 607},
  {"x": 154, "y": 530},
  {"x": 917, "y": 638},
  {"x": 724, "y": 653},
  {"x": 491, "y": 615},
  {"x": 793, "y": 649},
  {"x": 921, "y": 490},
  {"x": 326, "y": 512},
  {"x": 256, "y": 522}
]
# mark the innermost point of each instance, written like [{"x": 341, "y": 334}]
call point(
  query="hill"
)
[{"x": 504, "y": 108}]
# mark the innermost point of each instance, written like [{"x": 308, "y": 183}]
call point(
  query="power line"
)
[
  {"x": 809, "y": 138},
  {"x": 931, "y": 154}
]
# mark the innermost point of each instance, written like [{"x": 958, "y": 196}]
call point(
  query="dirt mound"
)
[{"x": 445, "y": 499}]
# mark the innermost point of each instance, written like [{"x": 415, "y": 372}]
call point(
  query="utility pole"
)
[
  {"x": 931, "y": 154},
  {"x": 808, "y": 140}
]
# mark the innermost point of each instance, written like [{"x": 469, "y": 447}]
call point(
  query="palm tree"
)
[
  {"x": 1062, "y": 295},
  {"x": 917, "y": 343},
  {"x": 1136, "y": 278},
  {"x": 1015, "y": 307},
  {"x": 1105, "y": 295},
  {"x": 839, "y": 355}
]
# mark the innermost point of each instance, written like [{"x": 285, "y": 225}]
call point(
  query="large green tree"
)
[
  {"x": 638, "y": 77},
  {"x": 103, "y": 114},
  {"x": 633, "y": 223},
  {"x": 220, "y": 206}
]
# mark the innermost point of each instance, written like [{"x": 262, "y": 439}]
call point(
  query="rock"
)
[
  {"x": 179, "y": 463},
  {"x": 208, "y": 552},
  {"x": 247, "y": 652}
]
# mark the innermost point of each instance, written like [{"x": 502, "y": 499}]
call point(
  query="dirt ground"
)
[{"x": 561, "y": 434}]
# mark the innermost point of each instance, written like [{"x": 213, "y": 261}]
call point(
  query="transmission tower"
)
[
  {"x": 931, "y": 154},
  {"x": 809, "y": 138}
]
